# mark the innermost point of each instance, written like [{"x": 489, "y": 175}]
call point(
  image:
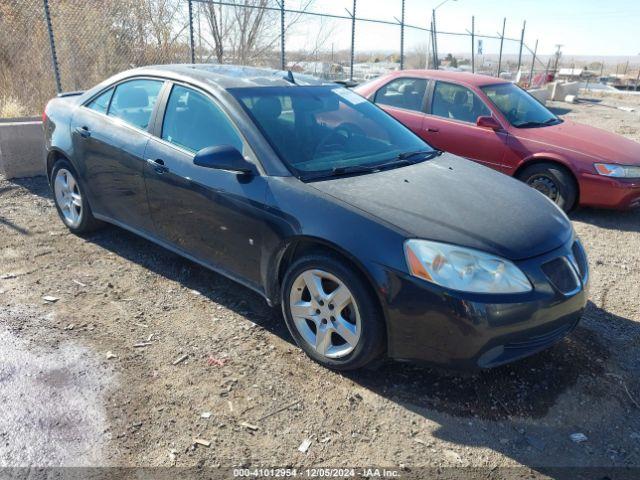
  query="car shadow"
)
[
  {"x": 504, "y": 410},
  {"x": 628, "y": 221},
  {"x": 559, "y": 110},
  {"x": 514, "y": 398}
]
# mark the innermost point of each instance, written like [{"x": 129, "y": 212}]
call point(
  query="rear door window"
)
[
  {"x": 457, "y": 103},
  {"x": 406, "y": 93},
  {"x": 193, "y": 121},
  {"x": 133, "y": 101},
  {"x": 101, "y": 102}
]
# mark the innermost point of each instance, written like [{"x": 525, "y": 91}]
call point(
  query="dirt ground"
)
[{"x": 139, "y": 352}]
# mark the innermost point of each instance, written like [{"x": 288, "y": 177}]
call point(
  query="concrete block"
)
[
  {"x": 21, "y": 147},
  {"x": 541, "y": 94},
  {"x": 560, "y": 90}
]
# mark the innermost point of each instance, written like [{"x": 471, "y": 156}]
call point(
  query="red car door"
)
[{"x": 450, "y": 125}]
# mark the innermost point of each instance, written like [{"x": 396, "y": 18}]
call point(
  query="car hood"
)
[
  {"x": 453, "y": 200},
  {"x": 594, "y": 142}
]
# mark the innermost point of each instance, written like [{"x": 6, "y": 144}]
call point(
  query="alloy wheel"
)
[
  {"x": 68, "y": 197},
  {"x": 325, "y": 313}
]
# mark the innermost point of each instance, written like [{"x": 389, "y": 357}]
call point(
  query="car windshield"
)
[
  {"x": 329, "y": 130},
  {"x": 520, "y": 108}
]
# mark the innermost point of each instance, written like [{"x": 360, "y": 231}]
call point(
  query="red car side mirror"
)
[{"x": 488, "y": 122}]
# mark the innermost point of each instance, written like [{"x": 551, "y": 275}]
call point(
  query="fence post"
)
[
  {"x": 191, "y": 40},
  {"x": 52, "y": 44},
  {"x": 473, "y": 44},
  {"x": 435, "y": 39},
  {"x": 402, "y": 38},
  {"x": 533, "y": 62},
  {"x": 524, "y": 25},
  {"x": 353, "y": 39},
  {"x": 504, "y": 22},
  {"x": 283, "y": 59}
]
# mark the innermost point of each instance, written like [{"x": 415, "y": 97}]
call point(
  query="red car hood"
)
[{"x": 601, "y": 145}]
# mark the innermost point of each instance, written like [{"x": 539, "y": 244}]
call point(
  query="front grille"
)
[
  {"x": 540, "y": 341},
  {"x": 561, "y": 275},
  {"x": 581, "y": 258}
]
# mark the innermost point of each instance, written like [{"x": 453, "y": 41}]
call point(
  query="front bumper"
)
[
  {"x": 470, "y": 331},
  {"x": 606, "y": 192}
]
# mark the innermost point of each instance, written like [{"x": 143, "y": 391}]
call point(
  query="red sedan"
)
[{"x": 498, "y": 124}]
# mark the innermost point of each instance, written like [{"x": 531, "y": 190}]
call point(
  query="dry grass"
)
[{"x": 10, "y": 108}]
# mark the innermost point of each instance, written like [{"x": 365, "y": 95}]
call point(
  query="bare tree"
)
[
  {"x": 218, "y": 26},
  {"x": 248, "y": 31}
]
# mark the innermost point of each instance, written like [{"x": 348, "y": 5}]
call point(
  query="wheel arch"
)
[
  {"x": 298, "y": 246},
  {"x": 53, "y": 156},
  {"x": 554, "y": 160}
]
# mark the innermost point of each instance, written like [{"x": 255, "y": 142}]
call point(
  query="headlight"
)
[
  {"x": 463, "y": 269},
  {"x": 618, "y": 171}
]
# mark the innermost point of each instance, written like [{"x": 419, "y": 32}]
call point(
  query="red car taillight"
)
[{"x": 44, "y": 113}]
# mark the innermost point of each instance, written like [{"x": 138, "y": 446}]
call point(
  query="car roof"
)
[
  {"x": 230, "y": 76},
  {"x": 469, "y": 79}
]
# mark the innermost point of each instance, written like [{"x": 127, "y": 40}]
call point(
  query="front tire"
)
[
  {"x": 71, "y": 203},
  {"x": 331, "y": 313},
  {"x": 553, "y": 181}
]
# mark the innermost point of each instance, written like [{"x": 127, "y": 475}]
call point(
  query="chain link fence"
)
[{"x": 49, "y": 46}]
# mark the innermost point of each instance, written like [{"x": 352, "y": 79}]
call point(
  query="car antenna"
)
[{"x": 289, "y": 78}]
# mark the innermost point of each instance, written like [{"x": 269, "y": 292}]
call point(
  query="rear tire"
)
[
  {"x": 71, "y": 202},
  {"x": 337, "y": 322},
  {"x": 553, "y": 181}
]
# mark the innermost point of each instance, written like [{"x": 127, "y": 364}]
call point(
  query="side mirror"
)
[
  {"x": 488, "y": 122},
  {"x": 224, "y": 157}
]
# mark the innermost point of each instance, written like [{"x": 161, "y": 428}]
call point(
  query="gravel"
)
[{"x": 95, "y": 396}]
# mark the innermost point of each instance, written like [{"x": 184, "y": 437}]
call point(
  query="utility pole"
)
[
  {"x": 353, "y": 39},
  {"x": 504, "y": 23},
  {"x": 524, "y": 25},
  {"x": 283, "y": 61},
  {"x": 402, "y": 38},
  {"x": 557, "y": 61},
  {"x": 435, "y": 40},
  {"x": 533, "y": 62},
  {"x": 473, "y": 46}
]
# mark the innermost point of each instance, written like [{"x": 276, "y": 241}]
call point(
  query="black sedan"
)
[{"x": 373, "y": 242}]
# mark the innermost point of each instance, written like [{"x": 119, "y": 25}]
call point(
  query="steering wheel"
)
[{"x": 340, "y": 135}]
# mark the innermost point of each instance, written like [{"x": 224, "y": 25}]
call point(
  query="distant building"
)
[
  {"x": 318, "y": 69},
  {"x": 370, "y": 70},
  {"x": 574, "y": 74}
]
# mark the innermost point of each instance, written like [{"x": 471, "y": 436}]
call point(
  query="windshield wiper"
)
[
  {"x": 338, "y": 171},
  {"x": 399, "y": 160},
  {"x": 431, "y": 153},
  {"x": 534, "y": 123}
]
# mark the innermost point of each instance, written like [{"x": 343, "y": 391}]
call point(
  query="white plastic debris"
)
[
  {"x": 205, "y": 415},
  {"x": 578, "y": 437},
  {"x": 304, "y": 446},
  {"x": 50, "y": 298},
  {"x": 201, "y": 441}
]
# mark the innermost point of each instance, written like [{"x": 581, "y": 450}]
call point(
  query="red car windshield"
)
[{"x": 518, "y": 107}]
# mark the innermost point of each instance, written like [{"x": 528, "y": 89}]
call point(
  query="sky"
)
[{"x": 589, "y": 27}]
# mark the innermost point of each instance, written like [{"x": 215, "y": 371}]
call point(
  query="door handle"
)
[
  {"x": 157, "y": 165},
  {"x": 434, "y": 130},
  {"x": 83, "y": 131}
]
